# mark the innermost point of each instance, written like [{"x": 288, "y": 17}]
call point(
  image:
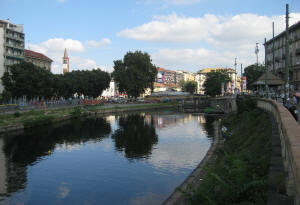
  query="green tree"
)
[
  {"x": 135, "y": 73},
  {"x": 189, "y": 86},
  {"x": 26, "y": 79},
  {"x": 214, "y": 80},
  {"x": 252, "y": 73}
]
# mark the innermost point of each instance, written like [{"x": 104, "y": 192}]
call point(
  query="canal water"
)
[{"x": 136, "y": 158}]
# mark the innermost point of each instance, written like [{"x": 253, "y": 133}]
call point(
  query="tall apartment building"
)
[
  {"x": 179, "y": 77},
  {"x": 170, "y": 77},
  {"x": 277, "y": 65},
  {"x": 11, "y": 45}
]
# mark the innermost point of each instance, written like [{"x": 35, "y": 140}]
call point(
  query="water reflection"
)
[
  {"x": 135, "y": 136},
  {"x": 155, "y": 152},
  {"x": 17, "y": 152}
]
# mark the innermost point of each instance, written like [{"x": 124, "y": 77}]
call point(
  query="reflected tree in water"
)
[
  {"x": 27, "y": 148},
  {"x": 136, "y": 136},
  {"x": 208, "y": 126}
]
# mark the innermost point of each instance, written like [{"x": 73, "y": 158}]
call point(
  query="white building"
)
[
  {"x": 201, "y": 77},
  {"x": 11, "y": 45},
  {"x": 111, "y": 91}
]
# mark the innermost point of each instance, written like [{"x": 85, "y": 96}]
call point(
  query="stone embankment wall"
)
[
  {"x": 289, "y": 132},
  {"x": 225, "y": 104}
]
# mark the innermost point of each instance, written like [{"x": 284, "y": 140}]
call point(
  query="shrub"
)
[
  {"x": 76, "y": 112},
  {"x": 209, "y": 110},
  {"x": 246, "y": 104},
  {"x": 17, "y": 114}
]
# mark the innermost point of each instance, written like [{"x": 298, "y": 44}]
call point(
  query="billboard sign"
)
[
  {"x": 161, "y": 77},
  {"x": 244, "y": 83}
]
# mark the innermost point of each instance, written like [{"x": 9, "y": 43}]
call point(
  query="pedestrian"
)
[
  {"x": 295, "y": 101},
  {"x": 224, "y": 131},
  {"x": 282, "y": 97}
]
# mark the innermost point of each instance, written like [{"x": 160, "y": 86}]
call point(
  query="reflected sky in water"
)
[{"x": 130, "y": 159}]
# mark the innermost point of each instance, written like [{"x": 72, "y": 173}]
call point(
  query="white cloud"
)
[
  {"x": 191, "y": 59},
  {"x": 224, "y": 37},
  {"x": 170, "y": 2},
  {"x": 54, "y": 49},
  {"x": 61, "y": 1},
  {"x": 101, "y": 43},
  {"x": 57, "y": 45},
  {"x": 174, "y": 28}
]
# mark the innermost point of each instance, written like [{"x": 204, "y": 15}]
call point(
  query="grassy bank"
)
[
  {"x": 35, "y": 118},
  {"x": 239, "y": 175}
]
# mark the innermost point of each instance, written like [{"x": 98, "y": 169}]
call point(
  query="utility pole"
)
[
  {"x": 273, "y": 63},
  {"x": 266, "y": 68},
  {"x": 242, "y": 81},
  {"x": 235, "y": 74},
  {"x": 256, "y": 52},
  {"x": 287, "y": 54}
]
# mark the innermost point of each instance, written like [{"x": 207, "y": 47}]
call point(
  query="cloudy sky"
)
[{"x": 178, "y": 34}]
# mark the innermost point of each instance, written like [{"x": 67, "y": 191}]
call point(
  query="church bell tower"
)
[{"x": 65, "y": 65}]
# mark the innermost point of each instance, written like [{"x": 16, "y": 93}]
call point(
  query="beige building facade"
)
[
  {"x": 201, "y": 77},
  {"x": 38, "y": 59},
  {"x": 276, "y": 47}
]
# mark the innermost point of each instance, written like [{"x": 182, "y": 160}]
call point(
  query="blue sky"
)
[{"x": 178, "y": 34}]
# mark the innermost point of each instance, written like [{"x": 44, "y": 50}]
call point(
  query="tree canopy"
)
[
  {"x": 135, "y": 73},
  {"x": 188, "y": 86},
  {"x": 26, "y": 79},
  {"x": 213, "y": 82},
  {"x": 252, "y": 73}
]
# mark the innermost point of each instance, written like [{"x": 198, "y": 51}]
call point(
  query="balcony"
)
[
  {"x": 15, "y": 56},
  {"x": 14, "y": 37},
  {"x": 297, "y": 52},
  {"x": 11, "y": 45}
]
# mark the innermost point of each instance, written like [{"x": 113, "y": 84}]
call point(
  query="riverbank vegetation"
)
[
  {"x": 239, "y": 174},
  {"x": 46, "y": 116}
]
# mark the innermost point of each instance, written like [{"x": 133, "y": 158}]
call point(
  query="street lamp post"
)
[
  {"x": 256, "y": 52},
  {"x": 235, "y": 74}
]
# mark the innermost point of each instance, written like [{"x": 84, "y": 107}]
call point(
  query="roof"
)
[
  {"x": 271, "y": 79},
  {"x": 207, "y": 70},
  {"x": 159, "y": 85},
  {"x": 173, "y": 85},
  {"x": 65, "y": 53},
  {"x": 160, "y": 69},
  {"x": 36, "y": 55}
]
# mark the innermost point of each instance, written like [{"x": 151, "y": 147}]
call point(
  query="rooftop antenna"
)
[{"x": 28, "y": 46}]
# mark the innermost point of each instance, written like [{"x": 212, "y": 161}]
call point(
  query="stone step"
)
[{"x": 280, "y": 199}]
